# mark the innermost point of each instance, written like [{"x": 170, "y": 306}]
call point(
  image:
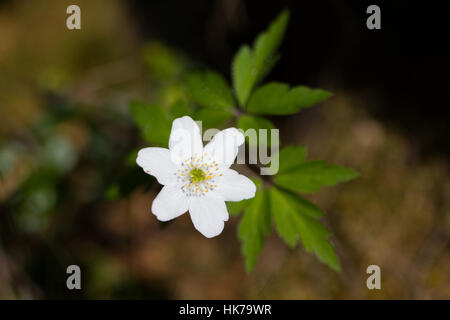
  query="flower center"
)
[{"x": 197, "y": 175}]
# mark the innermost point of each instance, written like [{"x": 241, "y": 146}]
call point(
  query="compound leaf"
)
[
  {"x": 255, "y": 224},
  {"x": 278, "y": 99},
  {"x": 291, "y": 157},
  {"x": 311, "y": 176},
  {"x": 250, "y": 65},
  {"x": 210, "y": 89},
  {"x": 296, "y": 218}
]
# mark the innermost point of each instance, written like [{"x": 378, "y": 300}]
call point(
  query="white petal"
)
[
  {"x": 234, "y": 187},
  {"x": 156, "y": 161},
  {"x": 208, "y": 214},
  {"x": 170, "y": 203},
  {"x": 185, "y": 140},
  {"x": 223, "y": 148}
]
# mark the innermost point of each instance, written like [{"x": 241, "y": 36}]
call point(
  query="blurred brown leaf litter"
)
[{"x": 395, "y": 215}]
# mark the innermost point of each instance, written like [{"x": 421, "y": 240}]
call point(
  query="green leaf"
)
[
  {"x": 153, "y": 121},
  {"x": 296, "y": 218},
  {"x": 212, "y": 118},
  {"x": 236, "y": 207},
  {"x": 255, "y": 224},
  {"x": 276, "y": 98},
  {"x": 242, "y": 73},
  {"x": 270, "y": 62},
  {"x": 312, "y": 175},
  {"x": 170, "y": 94},
  {"x": 179, "y": 108},
  {"x": 210, "y": 89},
  {"x": 246, "y": 122},
  {"x": 291, "y": 157},
  {"x": 163, "y": 63},
  {"x": 250, "y": 65},
  {"x": 302, "y": 205}
]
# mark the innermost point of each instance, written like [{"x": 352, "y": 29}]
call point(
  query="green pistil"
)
[{"x": 197, "y": 175}]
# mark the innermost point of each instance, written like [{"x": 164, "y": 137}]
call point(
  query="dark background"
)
[{"x": 405, "y": 64}]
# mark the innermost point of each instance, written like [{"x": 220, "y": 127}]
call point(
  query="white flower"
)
[{"x": 196, "y": 178}]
